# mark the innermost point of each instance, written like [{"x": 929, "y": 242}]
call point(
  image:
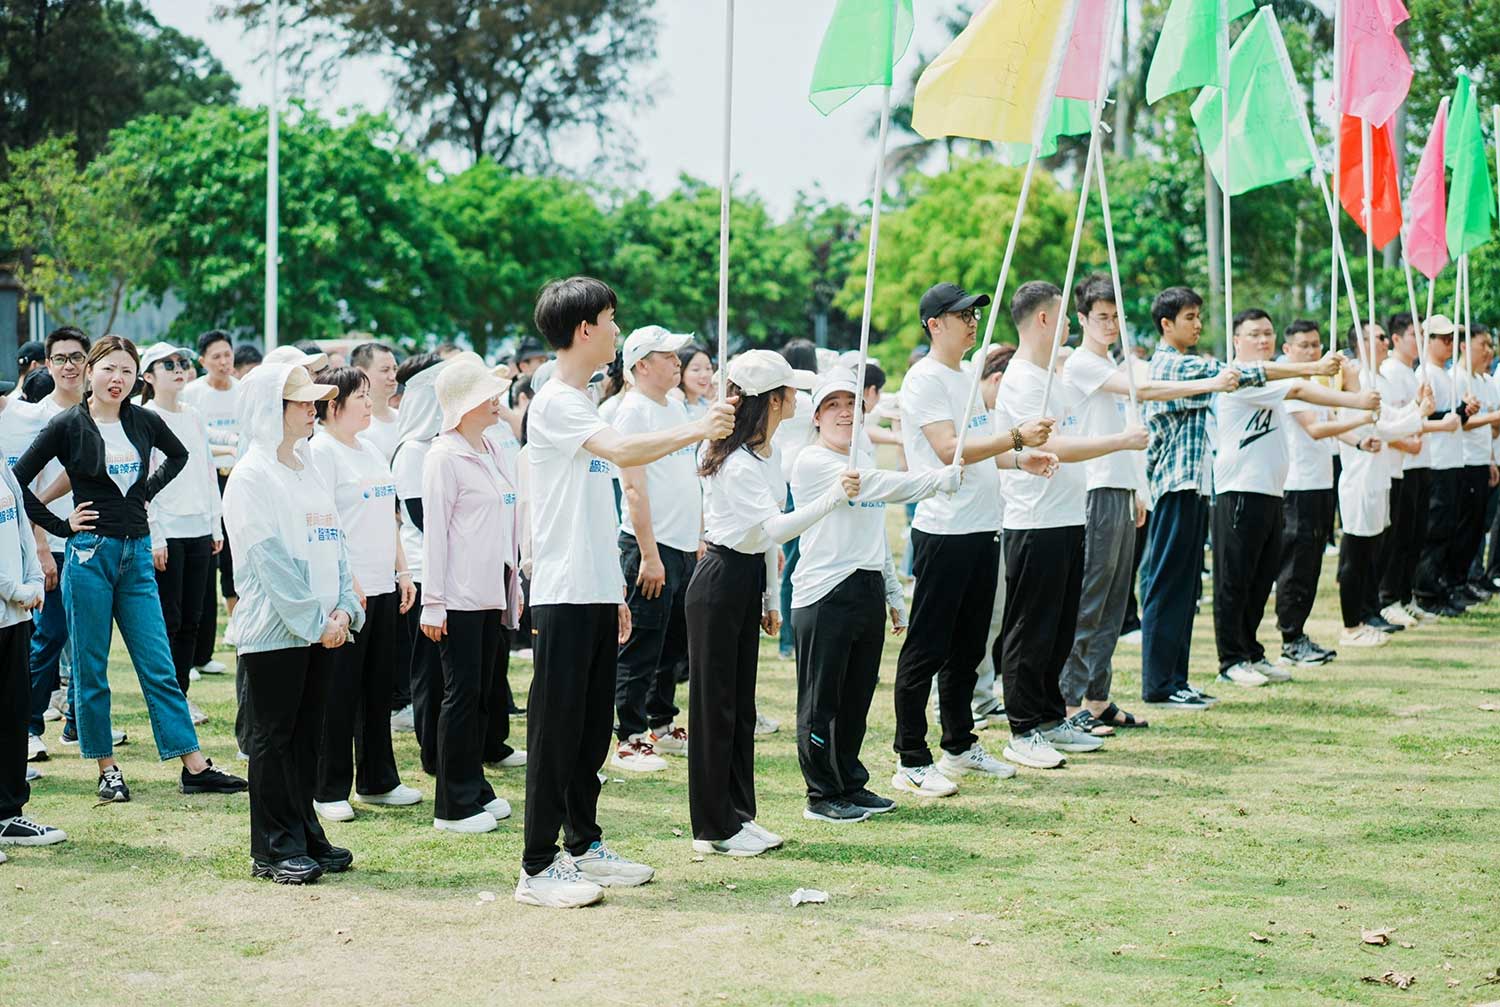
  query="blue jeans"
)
[
  {"x": 114, "y": 577},
  {"x": 48, "y": 637}
]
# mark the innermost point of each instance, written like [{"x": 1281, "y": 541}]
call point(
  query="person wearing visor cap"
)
[
  {"x": 734, "y": 594},
  {"x": 844, "y": 584},
  {"x": 297, "y": 607},
  {"x": 1433, "y": 586}
]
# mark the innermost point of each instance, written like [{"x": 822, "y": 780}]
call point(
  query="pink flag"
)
[
  {"x": 1426, "y": 204},
  {"x": 1377, "y": 72},
  {"x": 1092, "y": 27}
]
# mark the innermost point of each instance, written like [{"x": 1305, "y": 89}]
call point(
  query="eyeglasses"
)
[
  {"x": 64, "y": 359},
  {"x": 171, "y": 364},
  {"x": 967, "y": 316}
]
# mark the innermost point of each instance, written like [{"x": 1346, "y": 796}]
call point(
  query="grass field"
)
[{"x": 1227, "y": 857}]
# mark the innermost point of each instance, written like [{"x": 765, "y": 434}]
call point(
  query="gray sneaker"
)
[
  {"x": 1066, "y": 737},
  {"x": 1272, "y": 672},
  {"x": 607, "y": 869},
  {"x": 1033, "y": 750}
]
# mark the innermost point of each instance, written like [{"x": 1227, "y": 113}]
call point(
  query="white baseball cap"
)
[
  {"x": 1439, "y": 325},
  {"x": 760, "y": 371},
  {"x": 647, "y": 340},
  {"x": 837, "y": 380},
  {"x": 157, "y": 352},
  {"x": 292, "y": 355}
]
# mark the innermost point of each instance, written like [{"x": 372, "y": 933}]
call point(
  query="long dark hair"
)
[{"x": 751, "y": 415}]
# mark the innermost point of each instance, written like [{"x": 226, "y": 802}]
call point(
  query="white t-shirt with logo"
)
[
  {"x": 122, "y": 462},
  {"x": 220, "y": 410},
  {"x": 748, "y": 490},
  {"x": 1477, "y": 446},
  {"x": 1251, "y": 454},
  {"x": 19, "y": 426},
  {"x": 1447, "y": 448},
  {"x": 1032, "y": 502},
  {"x": 574, "y": 530},
  {"x": 384, "y": 434},
  {"x": 364, "y": 494},
  {"x": 188, "y": 506},
  {"x": 672, "y": 485},
  {"x": 932, "y": 392},
  {"x": 1101, "y": 413},
  {"x": 1311, "y": 465}
]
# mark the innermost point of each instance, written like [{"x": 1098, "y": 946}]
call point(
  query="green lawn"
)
[{"x": 1363, "y": 795}]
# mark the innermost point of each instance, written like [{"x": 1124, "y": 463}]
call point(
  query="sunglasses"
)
[
  {"x": 64, "y": 359},
  {"x": 172, "y": 364}
]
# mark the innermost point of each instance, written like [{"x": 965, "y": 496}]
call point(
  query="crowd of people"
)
[{"x": 385, "y": 534}]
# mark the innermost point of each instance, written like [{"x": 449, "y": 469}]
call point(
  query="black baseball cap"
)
[
  {"x": 31, "y": 352},
  {"x": 946, "y": 297},
  {"x": 530, "y": 349}
]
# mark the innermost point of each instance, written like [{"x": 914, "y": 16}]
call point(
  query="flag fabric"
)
[
  {"x": 1385, "y": 206},
  {"x": 1093, "y": 28},
  {"x": 1187, "y": 52},
  {"x": 991, "y": 81},
  {"x": 1470, "y": 200},
  {"x": 1377, "y": 72},
  {"x": 1069, "y": 117},
  {"x": 864, "y": 42},
  {"x": 1426, "y": 205},
  {"x": 1267, "y": 119}
]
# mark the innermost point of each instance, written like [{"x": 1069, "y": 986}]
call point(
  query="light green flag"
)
[
  {"x": 1470, "y": 208},
  {"x": 1187, "y": 52},
  {"x": 1267, "y": 119},
  {"x": 1069, "y": 117},
  {"x": 863, "y": 43}
]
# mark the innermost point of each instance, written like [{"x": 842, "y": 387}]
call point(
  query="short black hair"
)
[
  {"x": 307, "y": 346},
  {"x": 1091, "y": 290},
  {"x": 1479, "y": 329},
  {"x": 998, "y": 360},
  {"x": 416, "y": 364},
  {"x": 1250, "y": 315},
  {"x": 519, "y": 389},
  {"x": 1300, "y": 326},
  {"x": 67, "y": 333},
  {"x": 801, "y": 354},
  {"x": 1172, "y": 302},
  {"x": 563, "y": 305},
  {"x": 347, "y": 380},
  {"x": 246, "y": 354},
  {"x": 874, "y": 376},
  {"x": 1030, "y": 296},
  {"x": 363, "y": 355},
  {"x": 210, "y": 337},
  {"x": 1399, "y": 322}
]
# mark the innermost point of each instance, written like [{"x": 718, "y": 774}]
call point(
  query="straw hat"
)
[{"x": 463, "y": 385}]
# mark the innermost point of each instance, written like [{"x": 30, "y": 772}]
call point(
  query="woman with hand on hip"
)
[{"x": 297, "y": 607}]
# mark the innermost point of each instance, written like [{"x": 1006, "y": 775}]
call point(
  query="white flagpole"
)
[
  {"x": 1338, "y": 146},
  {"x": 1126, "y": 340},
  {"x": 1422, "y": 347},
  {"x": 273, "y": 173},
  {"x": 1468, "y": 329},
  {"x": 1224, "y": 151},
  {"x": 724, "y": 186},
  {"x": 1411, "y": 295},
  {"x": 1367, "y": 170}
]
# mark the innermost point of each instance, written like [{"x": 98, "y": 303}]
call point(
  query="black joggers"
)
[
  {"x": 15, "y": 698},
  {"x": 358, "y": 712},
  {"x": 1043, "y": 583},
  {"x": 469, "y": 652},
  {"x": 1307, "y": 517},
  {"x": 184, "y": 586},
  {"x": 1408, "y": 529},
  {"x": 1247, "y": 555},
  {"x": 646, "y": 677}
]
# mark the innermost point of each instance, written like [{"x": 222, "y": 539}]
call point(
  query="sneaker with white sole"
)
[
  {"x": 765, "y": 725},
  {"x": 112, "y": 787},
  {"x": 212, "y": 667},
  {"x": 482, "y": 822},
  {"x": 606, "y": 868},
  {"x": 194, "y": 675},
  {"x": 1394, "y": 613},
  {"x": 1182, "y": 699},
  {"x": 514, "y": 760},
  {"x": 1068, "y": 737},
  {"x": 498, "y": 809},
  {"x": 635, "y": 755},
  {"x": 404, "y": 720},
  {"x": 399, "y": 797},
  {"x": 975, "y": 760},
  {"x": 1133, "y": 638},
  {"x": 1363, "y": 636},
  {"x": 1034, "y": 750},
  {"x": 765, "y": 835},
  {"x": 1420, "y": 614},
  {"x": 1202, "y": 696},
  {"x": 834, "y": 809},
  {"x": 21, "y": 831},
  {"x": 1272, "y": 672},
  {"x": 1243, "y": 674},
  {"x": 925, "y": 781},
  {"x": 32, "y": 774},
  {"x": 118, "y": 737},
  {"x": 36, "y": 749},
  {"x": 743, "y": 843},
  {"x": 334, "y": 811},
  {"x": 196, "y": 714},
  {"x": 668, "y": 740},
  {"x": 561, "y": 886}
]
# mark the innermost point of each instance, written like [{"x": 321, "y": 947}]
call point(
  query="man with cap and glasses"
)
[{"x": 1432, "y": 585}]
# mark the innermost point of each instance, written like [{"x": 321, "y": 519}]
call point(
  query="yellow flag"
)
[{"x": 991, "y": 82}]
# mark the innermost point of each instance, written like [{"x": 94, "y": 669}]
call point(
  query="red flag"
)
[{"x": 1385, "y": 210}]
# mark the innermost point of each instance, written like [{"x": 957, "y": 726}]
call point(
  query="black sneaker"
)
[
  {"x": 1302, "y": 652},
  {"x": 834, "y": 810},
  {"x": 1182, "y": 699},
  {"x": 1383, "y": 624},
  {"x": 292, "y": 871},
  {"x": 1478, "y": 592},
  {"x": 870, "y": 801},
  {"x": 112, "y": 787},
  {"x": 334, "y": 860},
  {"x": 211, "y": 781},
  {"x": 20, "y": 831},
  {"x": 1202, "y": 696}
]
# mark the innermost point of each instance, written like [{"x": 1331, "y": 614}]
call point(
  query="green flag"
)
[
  {"x": 864, "y": 42},
  {"x": 1069, "y": 117},
  {"x": 1187, "y": 51},
  {"x": 1470, "y": 207},
  {"x": 1268, "y": 128}
]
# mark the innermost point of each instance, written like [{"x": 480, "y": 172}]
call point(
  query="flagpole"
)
[
  {"x": 1338, "y": 167},
  {"x": 1224, "y": 150},
  {"x": 1468, "y": 329},
  {"x": 1422, "y": 348},
  {"x": 1367, "y": 171},
  {"x": 1114, "y": 274},
  {"x": 273, "y": 182},
  {"x": 725, "y": 181},
  {"x": 1411, "y": 292}
]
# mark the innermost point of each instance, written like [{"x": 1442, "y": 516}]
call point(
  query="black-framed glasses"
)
[
  {"x": 968, "y": 315},
  {"x": 64, "y": 359}
]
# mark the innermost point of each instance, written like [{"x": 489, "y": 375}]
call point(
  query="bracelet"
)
[
  {"x": 1015, "y": 439},
  {"x": 400, "y": 574}
]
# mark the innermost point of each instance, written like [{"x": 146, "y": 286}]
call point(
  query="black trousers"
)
[
  {"x": 1307, "y": 516},
  {"x": 646, "y": 672},
  {"x": 839, "y": 641},
  {"x": 723, "y": 626},
  {"x": 208, "y": 619},
  {"x": 426, "y": 674},
  {"x": 568, "y": 719},
  {"x": 949, "y": 628},
  {"x": 15, "y": 699},
  {"x": 1043, "y": 581},
  {"x": 1132, "y": 620},
  {"x": 409, "y": 628},
  {"x": 1359, "y": 561},
  {"x": 1431, "y": 584},
  {"x": 286, "y": 691},
  {"x": 182, "y": 589},
  {"x": 1468, "y": 537},
  {"x": 468, "y": 650},
  {"x": 1247, "y": 554},
  {"x": 497, "y": 714},
  {"x": 1408, "y": 529},
  {"x": 359, "y": 709},
  {"x": 1170, "y": 583}
]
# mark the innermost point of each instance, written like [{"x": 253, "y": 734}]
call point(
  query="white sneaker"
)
[
  {"x": 482, "y": 822},
  {"x": 194, "y": 675},
  {"x": 975, "y": 760},
  {"x": 334, "y": 811},
  {"x": 1065, "y": 737},
  {"x": 765, "y": 725},
  {"x": 560, "y": 886},
  {"x": 1363, "y": 636},
  {"x": 195, "y": 712},
  {"x": 669, "y": 740},
  {"x": 498, "y": 809},
  {"x": 404, "y": 720},
  {"x": 926, "y": 781},
  {"x": 1243, "y": 674},
  {"x": 524, "y": 654},
  {"x": 3, "y": 858},
  {"x": 400, "y": 797},
  {"x": 1420, "y": 614},
  {"x": 36, "y": 749},
  {"x": 212, "y": 667},
  {"x": 240, "y": 756},
  {"x": 765, "y": 835},
  {"x": 1131, "y": 639},
  {"x": 33, "y": 773},
  {"x": 606, "y": 868},
  {"x": 1033, "y": 750},
  {"x": 1272, "y": 672},
  {"x": 1399, "y": 615},
  {"x": 636, "y": 756},
  {"x": 743, "y": 843},
  {"x": 514, "y": 760}
]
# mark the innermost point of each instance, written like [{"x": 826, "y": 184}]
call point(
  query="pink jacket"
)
[{"x": 470, "y": 532}]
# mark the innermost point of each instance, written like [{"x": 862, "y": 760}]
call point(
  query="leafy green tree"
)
[{"x": 832, "y": 232}]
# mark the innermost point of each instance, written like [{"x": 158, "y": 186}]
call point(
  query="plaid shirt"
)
[{"x": 1179, "y": 456}]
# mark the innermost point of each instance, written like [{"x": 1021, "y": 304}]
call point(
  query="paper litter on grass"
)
[{"x": 802, "y": 895}]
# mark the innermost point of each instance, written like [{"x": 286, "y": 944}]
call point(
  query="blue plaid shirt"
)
[{"x": 1179, "y": 456}]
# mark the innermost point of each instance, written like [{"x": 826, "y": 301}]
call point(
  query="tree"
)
[
  {"x": 831, "y": 232},
  {"x": 502, "y": 80}
]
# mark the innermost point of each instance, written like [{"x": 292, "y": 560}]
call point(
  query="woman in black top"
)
[{"x": 105, "y": 444}]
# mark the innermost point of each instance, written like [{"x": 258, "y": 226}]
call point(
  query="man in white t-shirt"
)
[
  {"x": 216, "y": 396},
  {"x": 1433, "y": 588},
  {"x": 579, "y": 616},
  {"x": 660, "y": 531},
  {"x": 1251, "y": 462},
  {"x": 378, "y": 363},
  {"x": 1474, "y": 479}
]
